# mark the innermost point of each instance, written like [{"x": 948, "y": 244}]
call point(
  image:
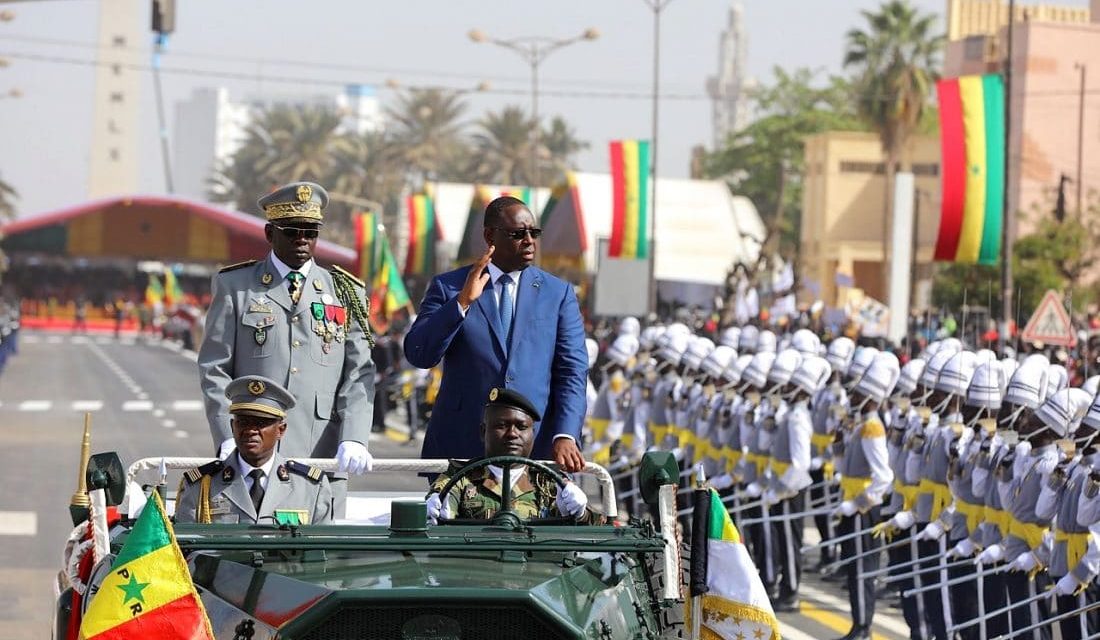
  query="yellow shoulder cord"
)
[{"x": 202, "y": 511}]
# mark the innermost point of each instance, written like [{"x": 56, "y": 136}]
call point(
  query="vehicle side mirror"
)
[
  {"x": 658, "y": 468},
  {"x": 105, "y": 472}
]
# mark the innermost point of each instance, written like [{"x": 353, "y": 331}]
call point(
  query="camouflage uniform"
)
[{"x": 478, "y": 496}]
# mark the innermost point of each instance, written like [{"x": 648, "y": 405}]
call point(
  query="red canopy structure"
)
[{"x": 164, "y": 228}]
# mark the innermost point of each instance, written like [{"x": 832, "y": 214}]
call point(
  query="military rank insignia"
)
[
  {"x": 261, "y": 336},
  {"x": 227, "y": 474},
  {"x": 267, "y": 278},
  {"x": 283, "y": 474}
]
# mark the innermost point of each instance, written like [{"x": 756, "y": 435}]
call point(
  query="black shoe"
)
[
  {"x": 789, "y": 604},
  {"x": 858, "y": 632}
]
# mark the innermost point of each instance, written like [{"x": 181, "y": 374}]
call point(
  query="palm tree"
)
[
  {"x": 366, "y": 167},
  {"x": 428, "y": 130},
  {"x": 560, "y": 144},
  {"x": 502, "y": 146},
  {"x": 896, "y": 59},
  {"x": 7, "y": 197}
]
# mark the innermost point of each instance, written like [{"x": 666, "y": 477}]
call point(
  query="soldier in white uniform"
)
[{"x": 255, "y": 484}]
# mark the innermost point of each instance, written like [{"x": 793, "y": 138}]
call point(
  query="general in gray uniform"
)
[
  {"x": 255, "y": 484},
  {"x": 289, "y": 319}
]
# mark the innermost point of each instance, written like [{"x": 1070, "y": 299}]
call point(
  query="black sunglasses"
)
[
  {"x": 298, "y": 232},
  {"x": 520, "y": 234}
]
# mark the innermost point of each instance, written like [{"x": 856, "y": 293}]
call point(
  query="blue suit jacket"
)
[{"x": 547, "y": 361}]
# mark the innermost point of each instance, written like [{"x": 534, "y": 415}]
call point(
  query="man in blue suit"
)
[{"x": 502, "y": 322}]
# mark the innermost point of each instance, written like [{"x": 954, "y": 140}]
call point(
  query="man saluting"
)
[{"x": 503, "y": 322}]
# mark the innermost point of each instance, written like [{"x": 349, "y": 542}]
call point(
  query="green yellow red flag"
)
[
  {"x": 148, "y": 592},
  {"x": 629, "y": 199},
  {"x": 424, "y": 232}
]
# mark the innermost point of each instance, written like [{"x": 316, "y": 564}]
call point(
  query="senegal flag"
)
[
  {"x": 154, "y": 292},
  {"x": 735, "y": 605},
  {"x": 148, "y": 593}
]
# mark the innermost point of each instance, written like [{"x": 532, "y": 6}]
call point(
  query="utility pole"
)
[
  {"x": 1008, "y": 228},
  {"x": 164, "y": 23},
  {"x": 1080, "y": 66},
  {"x": 657, "y": 6}
]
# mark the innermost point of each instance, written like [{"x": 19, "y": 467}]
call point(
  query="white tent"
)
[{"x": 702, "y": 229}]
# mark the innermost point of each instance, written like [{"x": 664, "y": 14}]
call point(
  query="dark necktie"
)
[
  {"x": 257, "y": 490},
  {"x": 294, "y": 285},
  {"x": 505, "y": 283}
]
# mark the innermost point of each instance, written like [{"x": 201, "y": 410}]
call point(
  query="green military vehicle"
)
[{"x": 502, "y": 578}]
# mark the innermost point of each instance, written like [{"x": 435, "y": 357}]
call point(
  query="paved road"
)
[{"x": 143, "y": 400}]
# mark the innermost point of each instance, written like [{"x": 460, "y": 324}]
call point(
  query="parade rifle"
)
[
  {"x": 760, "y": 503},
  {"x": 1092, "y": 606},
  {"x": 792, "y": 516},
  {"x": 831, "y": 541},
  {"x": 993, "y": 614},
  {"x": 913, "y": 572},
  {"x": 843, "y": 561},
  {"x": 939, "y": 584}
]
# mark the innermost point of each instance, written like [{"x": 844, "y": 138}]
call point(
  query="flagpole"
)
[{"x": 1008, "y": 220}]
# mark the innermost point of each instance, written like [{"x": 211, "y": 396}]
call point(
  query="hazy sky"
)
[{"x": 45, "y": 135}]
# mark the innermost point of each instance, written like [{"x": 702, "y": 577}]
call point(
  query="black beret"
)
[{"x": 500, "y": 397}]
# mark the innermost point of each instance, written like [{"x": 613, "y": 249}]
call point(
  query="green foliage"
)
[{"x": 8, "y": 196}]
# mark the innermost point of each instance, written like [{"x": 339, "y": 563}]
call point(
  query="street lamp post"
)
[{"x": 534, "y": 49}]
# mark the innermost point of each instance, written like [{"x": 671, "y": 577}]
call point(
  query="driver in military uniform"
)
[
  {"x": 507, "y": 429},
  {"x": 255, "y": 484}
]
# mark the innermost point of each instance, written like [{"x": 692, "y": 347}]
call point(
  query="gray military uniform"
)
[
  {"x": 292, "y": 487},
  {"x": 254, "y": 328}
]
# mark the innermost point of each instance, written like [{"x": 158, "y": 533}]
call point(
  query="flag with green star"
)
[{"x": 149, "y": 592}]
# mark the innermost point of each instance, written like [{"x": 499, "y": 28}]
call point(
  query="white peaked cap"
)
[
  {"x": 1037, "y": 358},
  {"x": 717, "y": 361},
  {"x": 956, "y": 373},
  {"x": 806, "y": 342},
  {"x": 623, "y": 349},
  {"x": 1009, "y": 366},
  {"x": 698, "y": 348},
  {"x": 1027, "y": 385},
  {"x": 986, "y": 386},
  {"x": 910, "y": 375},
  {"x": 766, "y": 341},
  {"x": 593, "y": 349},
  {"x": 878, "y": 381},
  {"x": 862, "y": 359},
  {"x": 985, "y": 355},
  {"x": 1092, "y": 385},
  {"x": 840, "y": 353},
  {"x": 784, "y": 366},
  {"x": 750, "y": 337},
  {"x": 1063, "y": 411},
  {"x": 650, "y": 337},
  {"x": 931, "y": 349},
  {"x": 784, "y": 343},
  {"x": 1092, "y": 417},
  {"x": 736, "y": 368},
  {"x": 673, "y": 347},
  {"x": 756, "y": 373},
  {"x": 812, "y": 374},
  {"x": 954, "y": 344},
  {"x": 730, "y": 337},
  {"x": 629, "y": 326},
  {"x": 934, "y": 366},
  {"x": 1057, "y": 379}
]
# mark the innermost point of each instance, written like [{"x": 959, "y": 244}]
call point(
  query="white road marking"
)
[
  {"x": 102, "y": 340},
  {"x": 137, "y": 405},
  {"x": 79, "y": 340},
  {"x": 18, "y": 523},
  {"x": 35, "y": 405},
  {"x": 158, "y": 413},
  {"x": 891, "y": 623},
  {"x": 141, "y": 395},
  {"x": 168, "y": 424},
  {"x": 180, "y": 433},
  {"x": 30, "y": 339},
  {"x": 53, "y": 340},
  {"x": 790, "y": 633},
  {"x": 127, "y": 342},
  {"x": 187, "y": 405},
  {"x": 87, "y": 405}
]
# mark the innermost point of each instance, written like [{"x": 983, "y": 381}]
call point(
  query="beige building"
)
[{"x": 843, "y": 199}]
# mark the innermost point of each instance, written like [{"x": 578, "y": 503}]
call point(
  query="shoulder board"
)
[
  {"x": 873, "y": 429},
  {"x": 210, "y": 468},
  {"x": 313, "y": 473},
  {"x": 337, "y": 269},
  {"x": 239, "y": 265}
]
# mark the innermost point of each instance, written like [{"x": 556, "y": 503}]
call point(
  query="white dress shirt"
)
[
  {"x": 495, "y": 273},
  {"x": 283, "y": 269},
  {"x": 246, "y": 469}
]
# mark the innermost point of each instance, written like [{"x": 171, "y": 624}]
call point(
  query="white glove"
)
[
  {"x": 994, "y": 553},
  {"x": 437, "y": 510},
  {"x": 846, "y": 509},
  {"x": 964, "y": 549},
  {"x": 571, "y": 500},
  {"x": 771, "y": 497},
  {"x": 226, "y": 448},
  {"x": 753, "y": 490},
  {"x": 353, "y": 457},
  {"x": 1067, "y": 585},
  {"x": 1024, "y": 562},
  {"x": 903, "y": 520},
  {"x": 724, "y": 481},
  {"x": 932, "y": 532},
  {"x": 816, "y": 463}
]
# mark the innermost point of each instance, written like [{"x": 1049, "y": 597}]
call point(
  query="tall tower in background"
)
[
  {"x": 728, "y": 89},
  {"x": 114, "y": 150}
]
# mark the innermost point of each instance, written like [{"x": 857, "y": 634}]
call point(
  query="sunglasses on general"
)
[
  {"x": 520, "y": 234},
  {"x": 294, "y": 233}
]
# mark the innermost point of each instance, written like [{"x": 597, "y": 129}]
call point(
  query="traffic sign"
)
[{"x": 1050, "y": 324}]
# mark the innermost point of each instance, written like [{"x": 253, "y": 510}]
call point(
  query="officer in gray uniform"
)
[
  {"x": 255, "y": 484},
  {"x": 305, "y": 326}
]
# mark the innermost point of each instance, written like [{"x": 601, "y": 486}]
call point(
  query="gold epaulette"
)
[
  {"x": 349, "y": 275},
  {"x": 193, "y": 475},
  {"x": 239, "y": 265},
  {"x": 313, "y": 473}
]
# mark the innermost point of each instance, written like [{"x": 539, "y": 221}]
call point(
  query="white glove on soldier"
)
[
  {"x": 816, "y": 463},
  {"x": 353, "y": 457},
  {"x": 724, "y": 481},
  {"x": 1024, "y": 562},
  {"x": 932, "y": 532},
  {"x": 994, "y": 553},
  {"x": 1067, "y": 585},
  {"x": 753, "y": 490},
  {"x": 226, "y": 448},
  {"x": 903, "y": 520},
  {"x": 770, "y": 497},
  {"x": 845, "y": 509},
  {"x": 964, "y": 549},
  {"x": 571, "y": 500},
  {"x": 437, "y": 510}
]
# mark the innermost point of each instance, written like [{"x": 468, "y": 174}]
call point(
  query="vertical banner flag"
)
[
  {"x": 366, "y": 246},
  {"x": 388, "y": 293},
  {"x": 154, "y": 292},
  {"x": 424, "y": 231},
  {"x": 630, "y": 199},
  {"x": 972, "y": 140},
  {"x": 173, "y": 293},
  {"x": 723, "y": 580},
  {"x": 148, "y": 592}
]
